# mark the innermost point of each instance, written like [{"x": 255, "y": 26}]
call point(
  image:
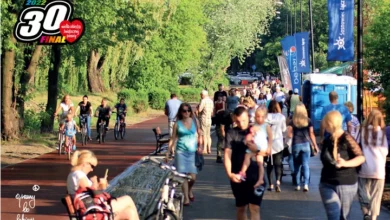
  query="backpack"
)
[{"x": 93, "y": 204}]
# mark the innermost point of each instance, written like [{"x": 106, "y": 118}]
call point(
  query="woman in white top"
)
[
  {"x": 65, "y": 106},
  {"x": 277, "y": 122},
  {"x": 83, "y": 162},
  {"x": 372, "y": 173}
]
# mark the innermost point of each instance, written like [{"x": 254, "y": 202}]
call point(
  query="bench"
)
[
  {"x": 68, "y": 203},
  {"x": 161, "y": 139}
]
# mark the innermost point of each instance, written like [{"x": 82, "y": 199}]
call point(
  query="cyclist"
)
[
  {"x": 70, "y": 125},
  {"x": 85, "y": 112},
  {"x": 103, "y": 112},
  {"x": 66, "y": 106},
  {"x": 121, "y": 109}
]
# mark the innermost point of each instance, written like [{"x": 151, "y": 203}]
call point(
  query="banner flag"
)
[
  {"x": 341, "y": 39},
  {"x": 284, "y": 73},
  {"x": 290, "y": 52},
  {"x": 302, "y": 43}
]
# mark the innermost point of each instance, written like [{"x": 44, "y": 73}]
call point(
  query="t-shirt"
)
[
  {"x": 235, "y": 141},
  {"x": 343, "y": 111},
  {"x": 103, "y": 111},
  {"x": 65, "y": 108},
  {"x": 172, "y": 107},
  {"x": 299, "y": 134},
  {"x": 355, "y": 124},
  {"x": 120, "y": 108},
  {"x": 279, "y": 96},
  {"x": 232, "y": 102},
  {"x": 277, "y": 122},
  {"x": 73, "y": 180},
  {"x": 70, "y": 125},
  {"x": 85, "y": 109},
  {"x": 219, "y": 93}
]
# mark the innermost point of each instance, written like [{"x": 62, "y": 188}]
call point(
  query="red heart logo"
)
[{"x": 72, "y": 30}]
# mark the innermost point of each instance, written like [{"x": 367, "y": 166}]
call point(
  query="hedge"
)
[
  {"x": 137, "y": 100},
  {"x": 190, "y": 94},
  {"x": 158, "y": 97}
]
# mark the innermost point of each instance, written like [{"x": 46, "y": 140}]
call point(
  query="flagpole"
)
[
  {"x": 313, "y": 65},
  {"x": 360, "y": 61}
]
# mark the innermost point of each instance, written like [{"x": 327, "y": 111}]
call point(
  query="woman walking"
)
[
  {"x": 340, "y": 156},
  {"x": 277, "y": 122},
  {"x": 300, "y": 129},
  {"x": 184, "y": 143},
  {"x": 372, "y": 173}
]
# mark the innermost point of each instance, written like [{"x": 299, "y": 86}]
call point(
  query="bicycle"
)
[
  {"x": 120, "y": 127},
  {"x": 61, "y": 141},
  {"x": 102, "y": 131},
  {"x": 84, "y": 131},
  {"x": 170, "y": 206},
  {"x": 69, "y": 143}
]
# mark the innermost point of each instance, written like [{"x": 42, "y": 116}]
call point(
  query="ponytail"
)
[
  {"x": 75, "y": 158},
  {"x": 84, "y": 156},
  {"x": 335, "y": 143}
]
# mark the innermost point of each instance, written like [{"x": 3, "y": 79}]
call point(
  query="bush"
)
[
  {"x": 190, "y": 94},
  {"x": 140, "y": 101},
  {"x": 157, "y": 98},
  {"x": 33, "y": 120},
  {"x": 127, "y": 94}
]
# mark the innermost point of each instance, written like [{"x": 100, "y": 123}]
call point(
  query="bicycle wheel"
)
[
  {"x": 116, "y": 131},
  {"x": 82, "y": 135},
  {"x": 101, "y": 133},
  {"x": 60, "y": 137},
  {"x": 85, "y": 139},
  {"x": 169, "y": 215},
  {"x": 179, "y": 204},
  {"x": 153, "y": 216},
  {"x": 104, "y": 133},
  {"x": 123, "y": 131}
]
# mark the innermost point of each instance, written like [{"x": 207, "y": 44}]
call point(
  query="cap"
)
[{"x": 296, "y": 91}]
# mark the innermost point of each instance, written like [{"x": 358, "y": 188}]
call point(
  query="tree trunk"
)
[
  {"x": 52, "y": 92},
  {"x": 27, "y": 80},
  {"x": 9, "y": 116},
  {"x": 95, "y": 66}
]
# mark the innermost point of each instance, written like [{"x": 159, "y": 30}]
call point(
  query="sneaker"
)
[
  {"x": 57, "y": 148},
  {"x": 74, "y": 147},
  {"x": 97, "y": 138},
  {"x": 306, "y": 188},
  {"x": 297, "y": 188},
  {"x": 277, "y": 188},
  {"x": 89, "y": 138},
  {"x": 219, "y": 159}
]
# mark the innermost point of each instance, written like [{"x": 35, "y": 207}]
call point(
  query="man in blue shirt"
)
[
  {"x": 334, "y": 106},
  {"x": 171, "y": 108}
]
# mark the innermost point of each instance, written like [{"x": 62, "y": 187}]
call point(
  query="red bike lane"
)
[{"x": 33, "y": 189}]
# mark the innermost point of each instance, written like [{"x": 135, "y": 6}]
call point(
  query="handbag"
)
[{"x": 313, "y": 150}]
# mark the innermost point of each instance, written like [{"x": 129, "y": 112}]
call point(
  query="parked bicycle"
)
[
  {"x": 84, "y": 129},
  {"x": 120, "y": 127},
  {"x": 170, "y": 206}
]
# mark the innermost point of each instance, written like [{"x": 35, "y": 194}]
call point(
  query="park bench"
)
[
  {"x": 161, "y": 140},
  {"x": 67, "y": 201}
]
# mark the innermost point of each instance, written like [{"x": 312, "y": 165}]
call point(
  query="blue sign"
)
[
  {"x": 302, "y": 43},
  {"x": 341, "y": 42},
  {"x": 290, "y": 52}
]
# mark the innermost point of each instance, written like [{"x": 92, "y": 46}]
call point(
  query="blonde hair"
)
[
  {"x": 333, "y": 123},
  {"x": 300, "y": 118},
  {"x": 349, "y": 105},
  {"x": 250, "y": 102},
  {"x": 84, "y": 156},
  {"x": 375, "y": 119},
  {"x": 261, "y": 110}
]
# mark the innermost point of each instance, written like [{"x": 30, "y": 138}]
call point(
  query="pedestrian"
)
[
  {"x": 220, "y": 92},
  {"x": 279, "y": 96},
  {"x": 171, "y": 109},
  {"x": 219, "y": 114},
  {"x": 83, "y": 162},
  {"x": 262, "y": 101},
  {"x": 205, "y": 111},
  {"x": 372, "y": 173},
  {"x": 251, "y": 107},
  {"x": 187, "y": 138},
  {"x": 355, "y": 124},
  {"x": 334, "y": 105},
  {"x": 277, "y": 121},
  {"x": 340, "y": 156},
  {"x": 85, "y": 112},
  {"x": 232, "y": 101},
  {"x": 300, "y": 129},
  {"x": 294, "y": 101},
  {"x": 288, "y": 102},
  {"x": 235, "y": 151}
]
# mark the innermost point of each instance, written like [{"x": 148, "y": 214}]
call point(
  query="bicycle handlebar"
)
[{"x": 167, "y": 167}]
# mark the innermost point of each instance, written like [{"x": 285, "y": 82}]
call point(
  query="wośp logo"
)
[{"x": 48, "y": 23}]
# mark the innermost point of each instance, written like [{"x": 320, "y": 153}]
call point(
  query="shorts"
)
[{"x": 244, "y": 194}]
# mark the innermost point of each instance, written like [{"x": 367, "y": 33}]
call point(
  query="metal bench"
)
[{"x": 161, "y": 139}]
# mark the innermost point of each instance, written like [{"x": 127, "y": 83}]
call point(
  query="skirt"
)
[{"x": 185, "y": 162}]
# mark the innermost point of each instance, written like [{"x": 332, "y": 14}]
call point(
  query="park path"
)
[{"x": 50, "y": 171}]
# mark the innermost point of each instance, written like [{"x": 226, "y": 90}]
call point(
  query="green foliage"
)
[
  {"x": 190, "y": 94},
  {"x": 33, "y": 120},
  {"x": 157, "y": 98}
]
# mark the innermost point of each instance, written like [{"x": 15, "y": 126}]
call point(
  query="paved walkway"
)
[{"x": 214, "y": 199}]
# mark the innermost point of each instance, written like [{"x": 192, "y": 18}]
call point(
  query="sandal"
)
[{"x": 192, "y": 199}]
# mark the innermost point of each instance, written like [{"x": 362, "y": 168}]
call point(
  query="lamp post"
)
[
  {"x": 313, "y": 65},
  {"x": 360, "y": 60}
]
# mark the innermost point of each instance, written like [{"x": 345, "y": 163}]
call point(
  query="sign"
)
[
  {"x": 284, "y": 73},
  {"x": 302, "y": 42},
  {"x": 290, "y": 52},
  {"x": 253, "y": 67},
  {"x": 341, "y": 42},
  {"x": 48, "y": 23}
]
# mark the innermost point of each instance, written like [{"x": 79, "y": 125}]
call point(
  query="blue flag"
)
[
  {"x": 290, "y": 52},
  {"x": 302, "y": 42},
  {"x": 341, "y": 42}
]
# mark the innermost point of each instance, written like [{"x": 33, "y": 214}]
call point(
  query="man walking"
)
[
  {"x": 235, "y": 150},
  {"x": 220, "y": 92},
  {"x": 334, "y": 105},
  {"x": 171, "y": 108},
  {"x": 205, "y": 112}
]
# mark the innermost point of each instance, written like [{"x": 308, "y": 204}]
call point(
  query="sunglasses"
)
[
  {"x": 186, "y": 110},
  {"x": 92, "y": 166}
]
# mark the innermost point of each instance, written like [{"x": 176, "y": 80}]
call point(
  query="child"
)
[
  {"x": 258, "y": 135},
  {"x": 70, "y": 131},
  {"x": 219, "y": 105}
]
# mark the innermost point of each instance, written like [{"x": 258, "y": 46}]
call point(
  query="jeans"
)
[
  {"x": 88, "y": 124},
  {"x": 220, "y": 140},
  {"x": 301, "y": 155},
  {"x": 337, "y": 199},
  {"x": 291, "y": 164},
  {"x": 277, "y": 163}
]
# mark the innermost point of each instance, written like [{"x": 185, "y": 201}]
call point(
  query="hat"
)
[{"x": 296, "y": 90}]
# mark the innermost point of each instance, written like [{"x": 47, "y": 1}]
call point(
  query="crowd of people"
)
[{"x": 263, "y": 124}]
